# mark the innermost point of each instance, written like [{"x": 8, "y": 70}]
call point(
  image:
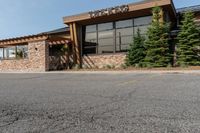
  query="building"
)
[
  {"x": 35, "y": 53},
  {"x": 94, "y": 39},
  {"x": 102, "y": 37}
]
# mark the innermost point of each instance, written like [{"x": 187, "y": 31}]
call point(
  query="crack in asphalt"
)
[{"x": 128, "y": 103}]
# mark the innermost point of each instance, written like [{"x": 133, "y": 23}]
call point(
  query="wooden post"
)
[
  {"x": 76, "y": 42},
  {"x": 161, "y": 16},
  {"x": 73, "y": 42}
]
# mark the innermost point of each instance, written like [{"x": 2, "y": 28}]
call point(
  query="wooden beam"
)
[
  {"x": 77, "y": 45},
  {"x": 72, "y": 41}
]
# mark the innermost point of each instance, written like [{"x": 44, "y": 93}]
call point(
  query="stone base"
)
[{"x": 104, "y": 60}]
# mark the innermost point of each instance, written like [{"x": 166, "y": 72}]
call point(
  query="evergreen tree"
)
[
  {"x": 136, "y": 53},
  {"x": 188, "y": 41},
  {"x": 157, "y": 43}
]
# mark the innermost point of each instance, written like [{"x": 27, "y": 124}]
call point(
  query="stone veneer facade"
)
[
  {"x": 104, "y": 60},
  {"x": 37, "y": 60}
]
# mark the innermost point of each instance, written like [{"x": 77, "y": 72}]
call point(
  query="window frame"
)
[
  {"x": 115, "y": 36},
  {"x": 6, "y": 52}
]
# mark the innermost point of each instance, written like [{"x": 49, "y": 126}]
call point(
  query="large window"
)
[
  {"x": 9, "y": 53},
  {"x": 22, "y": 51},
  {"x": 1, "y": 53},
  {"x": 14, "y": 52},
  {"x": 124, "y": 34},
  {"x": 105, "y": 38},
  {"x": 142, "y": 23},
  {"x": 105, "y": 26},
  {"x": 91, "y": 39},
  {"x": 113, "y": 36}
]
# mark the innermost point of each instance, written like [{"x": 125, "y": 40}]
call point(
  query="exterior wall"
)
[
  {"x": 102, "y": 61},
  {"x": 37, "y": 60}
]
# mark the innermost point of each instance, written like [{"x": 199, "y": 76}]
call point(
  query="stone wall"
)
[
  {"x": 104, "y": 60},
  {"x": 36, "y": 62}
]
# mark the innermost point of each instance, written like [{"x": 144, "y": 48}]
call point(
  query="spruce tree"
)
[
  {"x": 188, "y": 41},
  {"x": 136, "y": 53},
  {"x": 157, "y": 43}
]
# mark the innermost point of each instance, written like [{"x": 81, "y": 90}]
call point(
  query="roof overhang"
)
[
  {"x": 52, "y": 40},
  {"x": 24, "y": 39},
  {"x": 134, "y": 10}
]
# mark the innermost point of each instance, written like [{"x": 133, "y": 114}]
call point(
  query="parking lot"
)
[{"x": 99, "y": 103}]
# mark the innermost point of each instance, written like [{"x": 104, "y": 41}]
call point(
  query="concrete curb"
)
[{"x": 114, "y": 72}]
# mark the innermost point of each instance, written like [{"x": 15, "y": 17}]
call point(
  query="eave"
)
[{"x": 135, "y": 9}]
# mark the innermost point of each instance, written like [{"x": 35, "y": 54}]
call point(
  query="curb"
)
[{"x": 113, "y": 72}]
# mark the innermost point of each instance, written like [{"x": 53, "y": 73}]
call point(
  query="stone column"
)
[
  {"x": 39, "y": 56},
  {"x": 46, "y": 56}
]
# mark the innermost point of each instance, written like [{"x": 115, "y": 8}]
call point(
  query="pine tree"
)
[
  {"x": 188, "y": 41},
  {"x": 157, "y": 43},
  {"x": 136, "y": 53}
]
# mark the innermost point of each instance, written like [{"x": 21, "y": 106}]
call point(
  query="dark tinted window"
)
[
  {"x": 142, "y": 21},
  {"x": 124, "y": 23},
  {"x": 91, "y": 28},
  {"x": 105, "y": 26},
  {"x": 99, "y": 38},
  {"x": 123, "y": 38},
  {"x": 106, "y": 41}
]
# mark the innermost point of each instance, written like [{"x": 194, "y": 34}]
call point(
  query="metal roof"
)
[
  {"x": 23, "y": 39},
  {"x": 60, "y": 30},
  {"x": 195, "y": 8}
]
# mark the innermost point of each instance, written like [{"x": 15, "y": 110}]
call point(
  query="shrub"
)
[
  {"x": 157, "y": 43},
  {"x": 188, "y": 41}
]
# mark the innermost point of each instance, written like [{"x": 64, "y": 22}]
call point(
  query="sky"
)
[{"x": 26, "y": 17}]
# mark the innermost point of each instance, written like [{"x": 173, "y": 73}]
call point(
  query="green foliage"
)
[
  {"x": 157, "y": 43},
  {"x": 19, "y": 54},
  {"x": 123, "y": 66},
  {"x": 64, "y": 48},
  {"x": 108, "y": 66},
  {"x": 136, "y": 53},
  {"x": 188, "y": 42}
]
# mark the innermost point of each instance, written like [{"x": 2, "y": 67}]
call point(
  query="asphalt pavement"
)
[{"x": 100, "y": 103}]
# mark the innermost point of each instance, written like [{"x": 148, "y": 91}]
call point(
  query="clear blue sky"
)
[{"x": 25, "y": 17}]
